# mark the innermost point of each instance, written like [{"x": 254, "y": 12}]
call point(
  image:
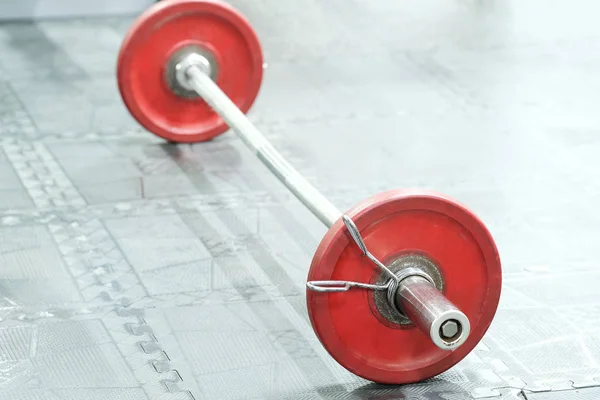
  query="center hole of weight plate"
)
[
  {"x": 402, "y": 266},
  {"x": 181, "y": 60}
]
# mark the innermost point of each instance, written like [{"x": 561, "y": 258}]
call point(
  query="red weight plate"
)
[
  {"x": 395, "y": 223},
  {"x": 157, "y": 34}
]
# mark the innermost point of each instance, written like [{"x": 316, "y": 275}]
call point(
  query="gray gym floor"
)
[{"x": 131, "y": 269}]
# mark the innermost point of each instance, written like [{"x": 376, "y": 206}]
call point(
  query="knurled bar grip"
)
[{"x": 251, "y": 136}]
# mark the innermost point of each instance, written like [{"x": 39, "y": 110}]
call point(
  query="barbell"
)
[{"x": 403, "y": 285}]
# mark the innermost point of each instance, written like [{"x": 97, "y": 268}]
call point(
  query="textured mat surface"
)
[{"x": 136, "y": 270}]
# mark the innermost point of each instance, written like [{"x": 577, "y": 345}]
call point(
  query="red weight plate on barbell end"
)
[
  {"x": 167, "y": 27},
  {"x": 395, "y": 223}
]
